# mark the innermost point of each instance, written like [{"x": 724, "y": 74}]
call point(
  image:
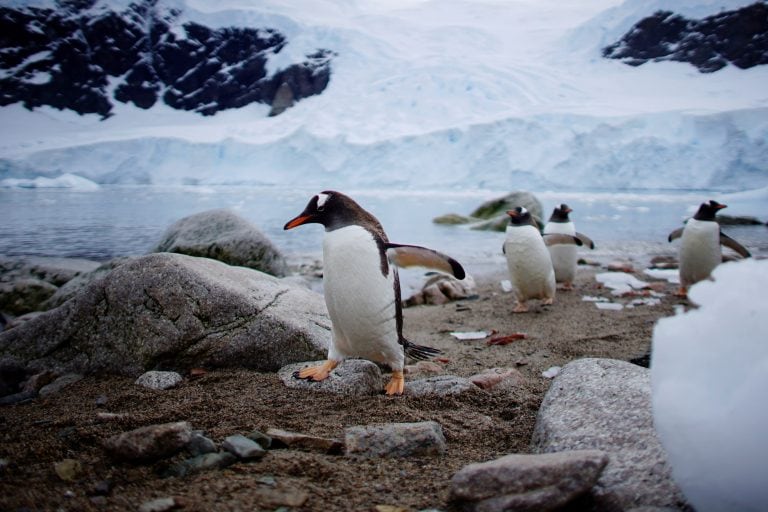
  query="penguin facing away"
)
[
  {"x": 701, "y": 238},
  {"x": 362, "y": 287},
  {"x": 530, "y": 266},
  {"x": 564, "y": 256}
]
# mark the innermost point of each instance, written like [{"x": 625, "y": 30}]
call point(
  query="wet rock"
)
[
  {"x": 149, "y": 443},
  {"x": 68, "y": 470},
  {"x": 498, "y": 378},
  {"x": 353, "y": 377},
  {"x": 200, "y": 444},
  {"x": 225, "y": 236},
  {"x": 439, "y": 385},
  {"x": 294, "y": 440},
  {"x": 24, "y": 295},
  {"x": 604, "y": 404},
  {"x": 205, "y": 462},
  {"x": 174, "y": 310},
  {"x": 527, "y": 482},
  {"x": 395, "y": 440},
  {"x": 442, "y": 288},
  {"x": 159, "y": 380},
  {"x": 60, "y": 383},
  {"x": 243, "y": 448}
]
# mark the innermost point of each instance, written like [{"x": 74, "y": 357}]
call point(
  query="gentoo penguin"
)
[
  {"x": 362, "y": 288},
  {"x": 564, "y": 256},
  {"x": 528, "y": 261},
  {"x": 700, "y": 245}
]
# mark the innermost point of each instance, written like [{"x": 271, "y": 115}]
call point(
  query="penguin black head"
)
[
  {"x": 519, "y": 216},
  {"x": 334, "y": 210},
  {"x": 560, "y": 213},
  {"x": 708, "y": 210}
]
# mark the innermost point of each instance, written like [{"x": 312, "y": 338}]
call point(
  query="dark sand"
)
[{"x": 478, "y": 426}]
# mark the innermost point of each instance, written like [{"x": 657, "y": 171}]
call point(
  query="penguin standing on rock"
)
[
  {"x": 564, "y": 256},
  {"x": 700, "y": 242},
  {"x": 362, "y": 288},
  {"x": 530, "y": 266}
]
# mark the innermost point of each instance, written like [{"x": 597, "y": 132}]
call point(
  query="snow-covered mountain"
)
[{"x": 411, "y": 93}]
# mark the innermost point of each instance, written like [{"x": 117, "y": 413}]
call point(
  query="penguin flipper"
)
[
  {"x": 585, "y": 240},
  {"x": 558, "y": 238},
  {"x": 415, "y": 256},
  {"x": 733, "y": 244},
  {"x": 675, "y": 234},
  {"x": 418, "y": 352}
]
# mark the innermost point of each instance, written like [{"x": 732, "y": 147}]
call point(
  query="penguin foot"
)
[
  {"x": 548, "y": 302},
  {"x": 682, "y": 292},
  {"x": 316, "y": 373},
  {"x": 567, "y": 286},
  {"x": 520, "y": 307},
  {"x": 396, "y": 384}
]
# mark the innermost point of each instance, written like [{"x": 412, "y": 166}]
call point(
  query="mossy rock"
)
[
  {"x": 496, "y": 207},
  {"x": 453, "y": 219},
  {"x": 499, "y": 223}
]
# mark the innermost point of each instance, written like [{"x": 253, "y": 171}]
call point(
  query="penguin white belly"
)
[
  {"x": 529, "y": 264},
  {"x": 699, "y": 251},
  {"x": 564, "y": 256},
  {"x": 360, "y": 299}
]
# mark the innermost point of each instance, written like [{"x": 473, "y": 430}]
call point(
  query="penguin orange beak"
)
[
  {"x": 512, "y": 213},
  {"x": 297, "y": 221}
]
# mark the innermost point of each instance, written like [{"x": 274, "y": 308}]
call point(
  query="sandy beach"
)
[{"x": 478, "y": 426}]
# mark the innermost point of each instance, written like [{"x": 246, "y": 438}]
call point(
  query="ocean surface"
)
[{"x": 117, "y": 221}]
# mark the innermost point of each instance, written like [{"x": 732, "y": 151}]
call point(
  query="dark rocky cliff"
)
[
  {"x": 738, "y": 37},
  {"x": 83, "y": 56}
]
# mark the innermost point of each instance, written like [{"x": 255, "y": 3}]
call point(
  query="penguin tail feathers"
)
[{"x": 418, "y": 352}]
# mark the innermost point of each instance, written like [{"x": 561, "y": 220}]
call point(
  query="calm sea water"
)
[{"x": 117, "y": 221}]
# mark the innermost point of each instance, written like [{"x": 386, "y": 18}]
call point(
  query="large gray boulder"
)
[
  {"x": 225, "y": 236},
  {"x": 605, "y": 404},
  {"x": 81, "y": 280},
  {"x": 174, "y": 311}
]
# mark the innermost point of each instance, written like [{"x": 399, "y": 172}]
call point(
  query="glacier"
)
[
  {"x": 724, "y": 151},
  {"x": 434, "y": 96}
]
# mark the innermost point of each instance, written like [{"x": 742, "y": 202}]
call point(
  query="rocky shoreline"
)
[{"x": 165, "y": 382}]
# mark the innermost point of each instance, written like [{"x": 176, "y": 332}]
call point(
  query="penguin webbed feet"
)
[
  {"x": 316, "y": 373},
  {"x": 396, "y": 384}
]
